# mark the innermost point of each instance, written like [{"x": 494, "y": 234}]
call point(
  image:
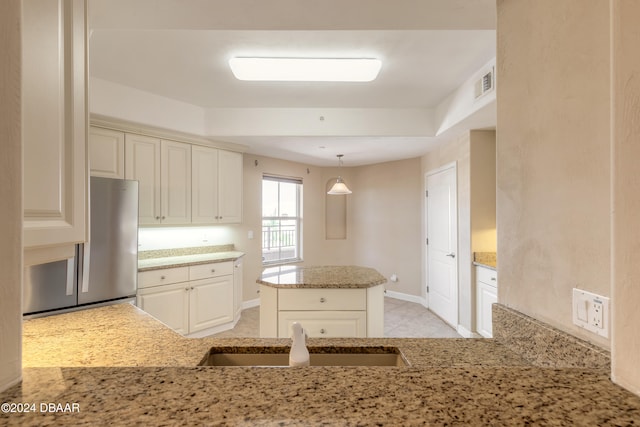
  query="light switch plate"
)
[{"x": 591, "y": 312}]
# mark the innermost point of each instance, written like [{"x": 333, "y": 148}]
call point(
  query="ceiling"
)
[{"x": 180, "y": 49}]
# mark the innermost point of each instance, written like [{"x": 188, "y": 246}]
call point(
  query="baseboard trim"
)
[
  {"x": 406, "y": 297},
  {"x": 465, "y": 333},
  {"x": 251, "y": 303}
]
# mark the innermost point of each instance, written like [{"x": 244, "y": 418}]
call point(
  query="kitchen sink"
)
[{"x": 318, "y": 356}]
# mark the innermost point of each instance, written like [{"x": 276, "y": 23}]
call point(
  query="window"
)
[{"x": 281, "y": 219}]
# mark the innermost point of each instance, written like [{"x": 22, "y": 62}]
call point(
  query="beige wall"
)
[
  {"x": 553, "y": 156},
  {"x": 385, "y": 221},
  {"x": 11, "y": 196},
  {"x": 626, "y": 194},
  {"x": 383, "y": 217},
  {"x": 483, "y": 191}
]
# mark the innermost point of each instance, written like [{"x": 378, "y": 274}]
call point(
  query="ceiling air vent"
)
[{"x": 484, "y": 84}]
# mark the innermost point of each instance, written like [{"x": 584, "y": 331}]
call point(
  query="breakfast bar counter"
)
[{"x": 117, "y": 365}]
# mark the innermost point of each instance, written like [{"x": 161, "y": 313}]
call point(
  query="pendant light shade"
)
[{"x": 339, "y": 187}]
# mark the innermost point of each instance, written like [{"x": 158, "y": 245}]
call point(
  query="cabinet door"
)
[
  {"x": 210, "y": 303},
  {"x": 106, "y": 153},
  {"x": 175, "y": 183},
  {"x": 204, "y": 185},
  {"x": 486, "y": 296},
  {"x": 54, "y": 121},
  {"x": 169, "y": 304},
  {"x": 237, "y": 288},
  {"x": 230, "y": 187},
  {"x": 142, "y": 163}
]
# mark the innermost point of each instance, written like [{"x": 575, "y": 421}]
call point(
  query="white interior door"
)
[{"x": 442, "y": 244}]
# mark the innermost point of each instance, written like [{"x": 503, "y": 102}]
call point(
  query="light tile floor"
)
[{"x": 402, "y": 319}]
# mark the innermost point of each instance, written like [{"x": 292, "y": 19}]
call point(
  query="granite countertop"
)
[
  {"x": 119, "y": 365},
  {"x": 345, "y": 276},
  {"x": 485, "y": 259},
  {"x": 182, "y": 257}
]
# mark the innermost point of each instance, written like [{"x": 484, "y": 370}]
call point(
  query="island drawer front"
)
[
  {"x": 487, "y": 275},
  {"x": 214, "y": 269},
  {"x": 324, "y": 324},
  {"x": 322, "y": 299},
  {"x": 147, "y": 279}
]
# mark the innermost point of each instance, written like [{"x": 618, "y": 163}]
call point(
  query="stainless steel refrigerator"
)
[{"x": 105, "y": 268}]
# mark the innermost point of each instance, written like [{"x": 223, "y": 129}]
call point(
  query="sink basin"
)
[{"x": 319, "y": 356}]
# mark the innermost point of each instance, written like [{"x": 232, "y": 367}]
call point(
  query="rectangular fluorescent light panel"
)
[{"x": 306, "y": 69}]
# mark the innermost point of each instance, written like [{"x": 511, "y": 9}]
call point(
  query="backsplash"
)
[
  {"x": 544, "y": 345},
  {"x": 150, "y": 238}
]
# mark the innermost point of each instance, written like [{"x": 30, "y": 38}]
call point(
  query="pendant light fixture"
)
[{"x": 339, "y": 187}]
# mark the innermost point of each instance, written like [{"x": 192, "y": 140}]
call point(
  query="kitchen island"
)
[
  {"x": 329, "y": 301},
  {"x": 121, "y": 366}
]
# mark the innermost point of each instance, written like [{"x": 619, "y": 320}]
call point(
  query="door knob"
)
[{"x": 452, "y": 255}]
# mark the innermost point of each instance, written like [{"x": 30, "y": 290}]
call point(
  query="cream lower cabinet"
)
[
  {"x": 190, "y": 300},
  {"x": 486, "y": 295},
  {"x": 322, "y": 312}
]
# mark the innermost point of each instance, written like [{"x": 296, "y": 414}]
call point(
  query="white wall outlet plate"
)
[{"x": 591, "y": 312}]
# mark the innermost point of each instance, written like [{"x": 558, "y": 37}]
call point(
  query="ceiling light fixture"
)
[
  {"x": 339, "y": 187},
  {"x": 306, "y": 69}
]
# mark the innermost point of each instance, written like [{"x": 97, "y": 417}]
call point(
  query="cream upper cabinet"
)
[
  {"x": 216, "y": 186},
  {"x": 204, "y": 185},
  {"x": 142, "y": 163},
  {"x": 54, "y": 121},
  {"x": 175, "y": 182},
  {"x": 106, "y": 153},
  {"x": 229, "y": 187}
]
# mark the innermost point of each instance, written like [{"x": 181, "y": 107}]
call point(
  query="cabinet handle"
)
[
  {"x": 322, "y": 331},
  {"x": 162, "y": 277},
  {"x": 322, "y": 300},
  {"x": 493, "y": 278}
]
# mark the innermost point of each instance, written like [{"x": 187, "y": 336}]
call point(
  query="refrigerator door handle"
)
[
  {"x": 84, "y": 268},
  {"x": 71, "y": 266}
]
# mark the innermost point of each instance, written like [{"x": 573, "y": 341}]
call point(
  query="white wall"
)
[{"x": 11, "y": 196}]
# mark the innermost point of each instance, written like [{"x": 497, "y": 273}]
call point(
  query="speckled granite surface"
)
[
  {"x": 544, "y": 345},
  {"x": 343, "y": 276},
  {"x": 181, "y": 257},
  {"x": 123, "y": 367},
  {"x": 486, "y": 259}
]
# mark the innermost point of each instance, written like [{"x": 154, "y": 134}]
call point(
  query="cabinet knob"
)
[
  {"x": 162, "y": 277},
  {"x": 192, "y": 288},
  {"x": 186, "y": 289},
  {"x": 163, "y": 217},
  {"x": 322, "y": 300},
  {"x": 493, "y": 278},
  {"x": 157, "y": 217},
  {"x": 213, "y": 270},
  {"x": 322, "y": 331}
]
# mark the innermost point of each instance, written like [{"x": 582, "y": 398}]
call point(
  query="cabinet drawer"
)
[
  {"x": 486, "y": 275},
  {"x": 329, "y": 324},
  {"x": 215, "y": 269},
  {"x": 147, "y": 279},
  {"x": 322, "y": 299}
]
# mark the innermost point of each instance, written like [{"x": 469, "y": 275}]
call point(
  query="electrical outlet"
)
[
  {"x": 591, "y": 312},
  {"x": 596, "y": 314}
]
